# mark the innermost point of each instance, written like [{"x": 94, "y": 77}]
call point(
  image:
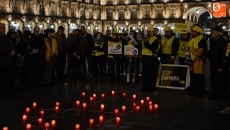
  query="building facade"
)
[{"x": 101, "y": 15}]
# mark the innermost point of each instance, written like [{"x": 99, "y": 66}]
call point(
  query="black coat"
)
[
  {"x": 37, "y": 42},
  {"x": 5, "y": 51}
]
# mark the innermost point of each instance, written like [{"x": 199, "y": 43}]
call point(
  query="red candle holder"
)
[
  {"x": 151, "y": 108},
  {"x": 91, "y": 100},
  {"x": 147, "y": 99},
  {"x": 47, "y": 126},
  {"x": 40, "y": 122},
  {"x": 57, "y": 104},
  {"x": 34, "y": 105},
  {"x": 91, "y": 123},
  {"x": 94, "y": 96},
  {"x": 53, "y": 124},
  {"x": 123, "y": 109},
  {"x": 5, "y": 128},
  {"x": 102, "y": 96},
  {"x": 56, "y": 109},
  {"x": 24, "y": 119},
  {"x": 134, "y": 97},
  {"x": 28, "y": 126},
  {"x": 142, "y": 103},
  {"x": 42, "y": 114},
  {"x": 83, "y": 95},
  {"x": 77, "y": 127},
  {"x": 27, "y": 110},
  {"x": 101, "y": 120},
  {"x": 124, "y": 95},
  {"x": 102, "y": 107},
  {"x": 137, "y": 109},
  {"x": 134, "y": 106},
  {"x": 118, "y": 120},
  {"x": 77, "y": 103},
  {"x": 155, "y": 107},
  {"x": 84, "y": 106},
  {"x": 150, "y": 103},
  {"x": 113, "y": 93},
  {"x": 116, "y": 112}
]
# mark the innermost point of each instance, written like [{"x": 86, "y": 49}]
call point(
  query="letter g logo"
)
[{"x": 216, "y": 7}]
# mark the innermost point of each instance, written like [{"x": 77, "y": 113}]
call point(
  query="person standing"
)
[
  {"x": 198, "y": 49},
  {"x": 183, "y": 48},
  {"x": 218, "y": 68},
  {"x": 6, "y": 60},
  {"x": 169, "y": 47},
  {"x": 106, "y": 38},
  {"x": 62, "y": 49},
  {"x": 150, "y": 48}
]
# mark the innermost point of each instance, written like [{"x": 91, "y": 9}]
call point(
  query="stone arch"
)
[{"x": 195, "y": 12}]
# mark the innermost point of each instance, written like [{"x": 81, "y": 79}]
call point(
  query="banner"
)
[
  {"x": 219, "y": 10},
  {"x": 173, "y": 76},
  {"x": 130, "y": 50},
  {"x": 180, "y": 28},
  {"x": 115, "y": 49}
]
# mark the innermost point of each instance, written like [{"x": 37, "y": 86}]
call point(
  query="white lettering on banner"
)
[{"x": 171, "y": 78}]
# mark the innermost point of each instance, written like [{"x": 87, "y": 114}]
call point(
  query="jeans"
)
[{"x": 133, "y": 64}]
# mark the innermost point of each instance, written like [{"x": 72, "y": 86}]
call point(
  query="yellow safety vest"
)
[
  {"x": 193, "y": 44},
  {"x": 166, "y": 45},
  {"x": 98, "y": 53},
  {"x": 110, "y": 43},
  {"x": 184, "y": 45},
  {"x": 228, "y": 50},
  {"x": 146, "y": 51}
]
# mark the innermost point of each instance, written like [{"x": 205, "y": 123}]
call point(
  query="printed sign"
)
[
  {"x": 173, "y": 76},
  {"x": 130, "y": 50},
  {"x": 219, "y": 10},
  {"x": 115, "y": 49},
  {"x": 180, "y": 28}
]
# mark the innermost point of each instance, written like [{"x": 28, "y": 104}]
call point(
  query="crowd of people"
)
[{"x": 41, "y": 59}]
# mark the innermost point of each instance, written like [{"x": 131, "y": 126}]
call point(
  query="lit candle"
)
[
  {"x": 84, "y": 106},
  {"x": 91, "y": 122},
  {"x": 142, "y": 103},
  {"x": 113, "y": 93},
  {"x": 94, "y": 96},
  {"x": 27, "y": 110},
  {"x": 91, "y": 99},
  {"x": 34, "y": 105},
  {"x": 134, "y": 106},
  {"x": 42, "y": 114},
  {"x": 134, "y": 97},
  {"x": 137, "y": 109},
  {"x": 47, "y": 125},
  {"x": 150, "y": 103},
  {"x": 116, "y": 112},
  {"x": 83, "y": 95},
  {"x": 147, "y": 99},
  {"x": 5, "y": 128},
  {"x": 101, "y": 119},
  {"x": 102, "y": 96},
  {"x": 57, "y": 104},
  {"x": 40, "y": 122},
  {"x": 53, "y": 124},
  {"x": 118, "y": 121},
  {"x": 151, "y": 108},
  {"x": 56, "y": 109},
  {"x": 124, "y": 95},
  {"x": 24, "y": 118},
  {"x": 77, "y": 127},
  {"x": 102, "y": 107},
  {"x": 77, "y": 103},
  {"x": 123, "y": 109},
  {"x": 28, "y": 127},
  {"x": 155, "y": 107}
]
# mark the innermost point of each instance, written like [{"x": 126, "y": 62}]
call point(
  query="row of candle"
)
[{"x": 47, "y": 125}]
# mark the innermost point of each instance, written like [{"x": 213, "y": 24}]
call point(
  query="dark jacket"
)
[
  {"x": 5, "y": 51},
  {"x": 89, "y": 43},
  {"x": 37, "y": 42}
]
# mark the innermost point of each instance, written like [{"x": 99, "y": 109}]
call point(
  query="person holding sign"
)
[
  {"x": 133, "y": 57},
  {"x": 169, "y": 47},
  {"x": 184, "y": 45},
  {"x": 150, "y": 48},
  {"x": 114, "y": 56},
  {"x": 98, "y": 56}
]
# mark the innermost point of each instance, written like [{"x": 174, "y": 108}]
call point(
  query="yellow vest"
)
[
  {"x": 51, "y": 49},
  {"x": 98, "y": 53},
  {"x": 166, "y": 45},
  {"x": 193, "y": 44},
  {"x": 184, "y": 45},
  {"x": 228, "y": 50},
  {"x": 146, "y": 51},
  {"x": 110, "y": 43}
]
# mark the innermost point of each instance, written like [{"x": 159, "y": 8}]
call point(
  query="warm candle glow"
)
[
  {"x": 57, "y": 104},
  {"x": 134, "y": 97},
  {"x": 77, "y": 127},
  {"x": 28, "y": 127},
  {"x": 134, "y": 106},
  {"x": 40, "y": 122},
  {"x": 150, "y": 103},
  {"x": 155, "y": 107},
  {"x": 94, "y": 96},
  {"x": 142, "y": 103},
  {"x": 24, "y": 118},
  {"x": 84, "y": 106},
  {"x": 53, "y": 124},
  {"x": 102, "y": 107},
  {"x": 91, "y": 99},
  {"x": 113, "y": 92},
  {"x": 151, "y": 108},
  {"x": 102, "y": 96},
  {"x": 34, "y": 105},
  {"x": 47, "y": 125},
  {"x": 91, "y": 122},
  {"x": 124, "y": 95},
  {"x": 5, "y": 128},
  {"x": 118, "y": 121},
  {"x": 116, "y": 112},
  {"x": 27, "y": 110},
  {"x": 42, "y": 114},
  {"x": 147, "y": 99},
  {"x": 56, "y": 109},
  {"x": 83, "y": 95},
  {"x": 77, "y": 103},
  {"x": 101, "y": 119},
  {"x": 137, "y": 109},
  {"x": 123, "y": 109}
]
